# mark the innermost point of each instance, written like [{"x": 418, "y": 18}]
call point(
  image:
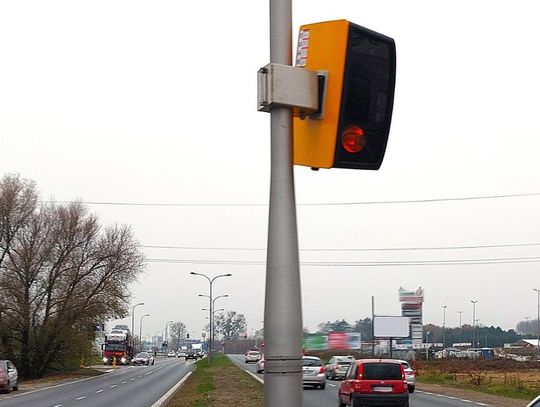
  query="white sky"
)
[{"x": 155, "y": 102}]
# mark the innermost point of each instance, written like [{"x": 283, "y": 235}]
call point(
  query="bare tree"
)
[
  {"x": 61, "y": 275},
  {"x": 18, "y": 201},
  {"x": 178, "y": 332}
]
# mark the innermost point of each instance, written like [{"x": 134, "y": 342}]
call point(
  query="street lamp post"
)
[
  {"x": 140, "y": 330},
  {"x": 474, "y": 322},
  {"x": 460, "y": 327},
  {"x": 166, "y": 336},
  {"x": 427, "y": 346},
  {"x": 214, "y": 317},
  {"x": 133, "y": 325},
  {"x": 210, "y": 282},
  {"x": 538, "y": 322},
  {"x": 444, "y": 326}
]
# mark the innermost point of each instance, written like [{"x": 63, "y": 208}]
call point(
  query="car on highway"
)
[
  {"x": 192, "y": 354},
  {"x": 313, "y": 372},
  {"x": 378, "y": 382},
  {"x": 171, "y": 354},
  {"x": 260, "y": 365},
  {"x": 143, "y": 358},
  {"x": 410, "y": 375},
  {"x": 535, "y": 402},
  {"x": 9, "y": 377},
  {"x": 252, "y": 356},
  {"x": 181, "y": 353},
  {"x": 337, "y": 366}
]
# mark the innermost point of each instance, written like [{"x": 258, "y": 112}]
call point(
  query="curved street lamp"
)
[
  {"x": 133, "y": 325},
  {"x": 210, "y": 282},
  {"x": 140, "y": 330}
]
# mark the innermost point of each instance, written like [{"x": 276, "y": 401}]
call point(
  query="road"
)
[
  {"x": 328, "y": 396},
  {"x": 129, "y": 386}
]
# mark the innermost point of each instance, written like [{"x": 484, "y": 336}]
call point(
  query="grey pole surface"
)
[{"x": 283, "y": 304}]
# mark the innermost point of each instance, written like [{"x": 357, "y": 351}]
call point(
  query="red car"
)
[{"x": 374, "y": 382}]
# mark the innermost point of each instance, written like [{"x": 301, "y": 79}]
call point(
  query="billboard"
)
[
  {"x": 334, "y": 340},
  {"x": 391, "y": 327}
]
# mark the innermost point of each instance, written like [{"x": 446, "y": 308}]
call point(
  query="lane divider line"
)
[
  {"x": 254, "y": 376},
  {"x": 454, "y": 398},
  {"x": 167, "y": 395}
]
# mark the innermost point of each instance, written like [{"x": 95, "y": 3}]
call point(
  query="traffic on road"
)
[
  {"x": 134, "y": 386},
  {"x": 328, "y": 396}
]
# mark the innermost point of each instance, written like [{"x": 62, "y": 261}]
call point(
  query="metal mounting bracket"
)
[{"x": 287, "y": 86}]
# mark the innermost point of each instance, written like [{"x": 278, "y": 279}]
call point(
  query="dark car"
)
[
  {"x": 374, "y": 382},
  {"x": 192, "y": 354},
  {"x": 143, "y": 358},
  {"x": 9, "y": 377}
]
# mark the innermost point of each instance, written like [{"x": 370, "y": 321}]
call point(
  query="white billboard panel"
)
[{"x": 391, "y": 327}]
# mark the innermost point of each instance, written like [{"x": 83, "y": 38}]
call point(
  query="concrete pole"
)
[
  {"x": 283, "y": 305},
  {"x": 538, "y": 323},
  {"x": 460, "y": 327},
  {"x": 474, "y": 322},
  {"x": 444, "y": 327}
]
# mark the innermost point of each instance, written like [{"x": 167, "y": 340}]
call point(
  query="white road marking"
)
[
  {"x": 99, "y": 391},
  {"x": 58, "y": 405},
  {"x": 454, "y": 398},
  {"x": 133, "y": 378},
  {"x": 331, "y": 385},
  {"x": 80, "y": 398},
  {"x": 113, "y": 386},
  {"x": 171, "y": 391},
  {"x": 124, "y": 382}
]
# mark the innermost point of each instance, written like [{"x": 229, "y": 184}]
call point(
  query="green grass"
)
[
  {"x": 218, "y": 383},
  {"x": 515, "y": 390}
]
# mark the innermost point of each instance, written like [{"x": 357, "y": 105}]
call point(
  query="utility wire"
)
[
  {"x": 506, "y": 260},
  {"x": 347, "y": 249},
  {"x": 412, "y": 201}
]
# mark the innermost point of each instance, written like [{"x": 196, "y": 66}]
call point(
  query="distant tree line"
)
[
  {"x": 61, "y": 275},
  {"x": 484, "y": 336}
]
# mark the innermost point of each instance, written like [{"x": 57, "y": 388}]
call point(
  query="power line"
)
[
  {"x": 452, "y": 262},
  {"x": 364, "y": 249},
  {"x": 412, "y": 201}
]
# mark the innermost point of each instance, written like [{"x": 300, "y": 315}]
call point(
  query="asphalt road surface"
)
[
  {"x": 129, "y": 386},
  {"x": 328, "y": 396}
]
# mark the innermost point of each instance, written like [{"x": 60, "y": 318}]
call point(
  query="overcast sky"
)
[{"x": 155, "y": 102}]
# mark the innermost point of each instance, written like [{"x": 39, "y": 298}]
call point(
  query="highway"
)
[
  {"x": 328, "y": 396},
  {"x": 129, "y": 386}
]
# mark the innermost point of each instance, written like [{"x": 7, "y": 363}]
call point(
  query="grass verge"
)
[
  {"x": 219, "y": 382},
  {"x": 509, "y": 389}
]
